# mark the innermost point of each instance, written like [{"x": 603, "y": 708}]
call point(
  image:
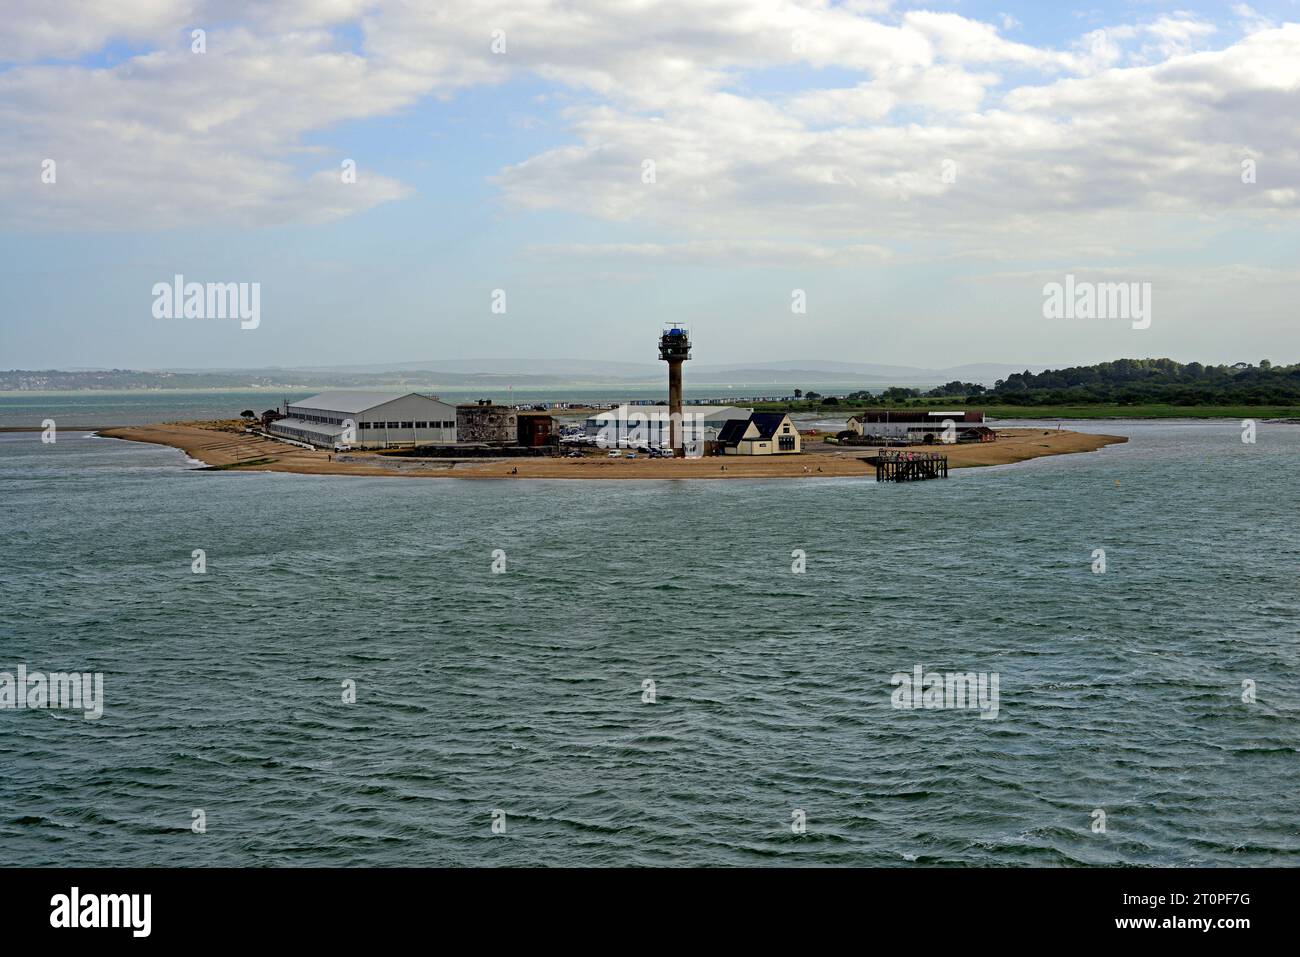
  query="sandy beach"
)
[{"x": 224, "y": 446}]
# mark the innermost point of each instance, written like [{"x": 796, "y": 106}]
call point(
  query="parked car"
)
[{"x": 615, "y": 454}]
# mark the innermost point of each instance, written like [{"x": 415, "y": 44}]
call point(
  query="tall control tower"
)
[{"x": 675, "y": 348}]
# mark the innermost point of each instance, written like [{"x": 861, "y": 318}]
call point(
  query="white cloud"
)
[
  {"x": 1175, "y": 36},
  {"x": 1076, "y": 160},
  {"x": 176, "y": 138},
  {"x": 960, "y": 40},
  {"x": 941, "y": 89},
  {"x": 1251, "y": 21},
  {"x": 70, "y": 28},
  {"x": 169, "y": 137}
]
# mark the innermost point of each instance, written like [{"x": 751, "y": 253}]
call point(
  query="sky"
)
[{"x": 865, "y": 181}]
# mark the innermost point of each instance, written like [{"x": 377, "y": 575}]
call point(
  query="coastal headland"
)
[{"x": 222, "y": 446}]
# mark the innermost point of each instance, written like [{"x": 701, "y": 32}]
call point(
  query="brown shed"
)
[{"x": 536, "y": 429}]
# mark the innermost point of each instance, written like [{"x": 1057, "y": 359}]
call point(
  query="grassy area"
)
[{"x": 1086, "y": 411}]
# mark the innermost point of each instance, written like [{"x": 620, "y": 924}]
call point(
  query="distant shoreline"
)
[
  {"x": 1101, "y": 412},
  {"x": 225, "y": 449}
]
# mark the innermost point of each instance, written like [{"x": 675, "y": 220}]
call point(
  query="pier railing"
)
[{"x": 898, "y": 465}]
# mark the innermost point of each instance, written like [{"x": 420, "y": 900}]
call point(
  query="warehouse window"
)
[
  {"x": 408, "y": 425},
  {"x": 392, "y": 425},
  {"x": 421, "y": 425}
]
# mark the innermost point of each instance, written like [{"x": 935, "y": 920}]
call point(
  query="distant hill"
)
[
  {"x": 293, "y": 380},
  {"x": 594, "y": 370},
  {"x": 850, "y": 372},
  {"x": 563, "y": 368},
  {"x": 494, "y": 374},
  {"x": 599, "y": 370}
]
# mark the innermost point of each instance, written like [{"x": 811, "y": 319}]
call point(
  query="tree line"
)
[
  {"x": 1122, "y": 382},
  {"x": 1142, "y": 381}
]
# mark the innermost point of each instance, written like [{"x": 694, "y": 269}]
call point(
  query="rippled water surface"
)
[{"x": 523, "y": 691}]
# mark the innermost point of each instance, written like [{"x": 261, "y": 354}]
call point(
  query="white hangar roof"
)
[{"x": 354, "y": 402}]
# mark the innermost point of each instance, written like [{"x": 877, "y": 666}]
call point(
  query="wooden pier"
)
[{"x": 899, "y": 466}]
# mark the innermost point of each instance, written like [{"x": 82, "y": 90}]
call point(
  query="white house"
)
[
  {"x": 763, "y": 433},
  {"x": 367, "y": 420}
]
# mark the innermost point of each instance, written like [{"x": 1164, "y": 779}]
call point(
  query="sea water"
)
[{"x": 645, "y": 679}]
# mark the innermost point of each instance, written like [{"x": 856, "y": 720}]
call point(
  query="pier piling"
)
[{"x": 900, "y": 466}]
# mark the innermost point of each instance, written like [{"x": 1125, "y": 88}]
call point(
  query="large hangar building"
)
[{"x": 372, "y": 420}]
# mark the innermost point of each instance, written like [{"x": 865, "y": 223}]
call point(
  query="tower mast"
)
[{"x": 675, "y": 348}]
